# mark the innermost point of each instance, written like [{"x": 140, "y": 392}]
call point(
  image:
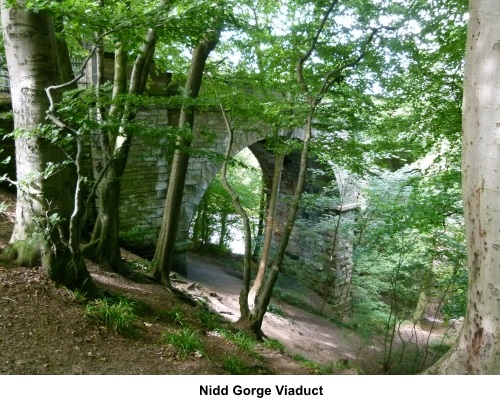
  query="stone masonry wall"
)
[
  {"x": 145, "y": 180},
  {"x": 323, "y": 246},
  {"x": 327, "y": 258}
]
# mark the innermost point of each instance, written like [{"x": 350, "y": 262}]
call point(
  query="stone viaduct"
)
[{"x": 145, "y": 183}]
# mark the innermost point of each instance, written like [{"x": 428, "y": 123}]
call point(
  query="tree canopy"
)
[{"x": 375, "y": 86}]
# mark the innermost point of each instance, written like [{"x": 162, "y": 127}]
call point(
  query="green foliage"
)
[
  {"x": 186, "y": 341},
  {"x": 117, "y": 314},
  {"x": 369, "y": 314},
  {"x": 210, "y": 320},
  {"x": 135, "y": 235},
  {"x": 439, "y": 349},
  {"x": 319, "y": 368},
  {"x": 410, "y": 247},
  {"x": 3, "y": 206},
  {"x": 139, "y": 264},
  {"x": 456, "y": 281},
  {"x": 274, "y": 344},
  {"x": 241, "y": 339},
  {"x": 79, "y": 296},
  {"x": 273, "y": 309},
  {"x": 234, "y": 365},
  {"x": 312, "y": 365},
  {"x": 175, "y": 315},
  {"x": 216, "y": 215}
]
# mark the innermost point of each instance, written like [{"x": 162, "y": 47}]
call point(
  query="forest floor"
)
[{"x": 46, "y": 330}]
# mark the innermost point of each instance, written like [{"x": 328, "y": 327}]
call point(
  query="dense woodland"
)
[{"x": 377, "y": 87}]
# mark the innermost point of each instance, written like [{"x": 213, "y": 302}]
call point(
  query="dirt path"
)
[{"x": 301, "y": 332}]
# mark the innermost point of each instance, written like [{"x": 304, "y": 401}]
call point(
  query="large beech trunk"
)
[
  {"x": 478, "y": 348},
  {"x": 44, "y": 201}
]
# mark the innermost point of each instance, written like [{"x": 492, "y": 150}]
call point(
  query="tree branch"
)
[{"x": 300, "y": 63}]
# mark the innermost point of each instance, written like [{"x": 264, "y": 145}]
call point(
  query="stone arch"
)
[
  {"x": 201, "y": 171},
  {"x": 303, "y": 247}
]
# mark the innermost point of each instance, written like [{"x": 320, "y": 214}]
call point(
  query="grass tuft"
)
[
  {"x": 186, "y": 341},
  {"x": 176, "y": 315},
  {"x": 117, "y": 315},
  {"x": 234, "y": 365},
  {"x": 274, "y": 345},
  {"x": 210, "y": 320}
]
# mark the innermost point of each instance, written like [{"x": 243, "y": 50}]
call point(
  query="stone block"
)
[
  {"x": 183, "y": 245},
  {"x": 159, "y": 169},
  {"x": 158, "y": 203},
  {"x": 162, "y": 177},
  {"x": 156, "y": 222},
  {"x": 160, "y": 185}
]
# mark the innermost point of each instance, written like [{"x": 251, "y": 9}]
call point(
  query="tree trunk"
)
[
  {"x": 198, "y": 226},
  {"x": 253, "y": 320},
  {"x": 478, "y": 347},
  {"x": 104, "y": 247},
  {"x": 223, "y": 230},
  {"x": 32, "y": 63},
  {"x": 262, "y": 299},
  {"x": 245, "y": 312},
  {"x": 260, "y": 227},
  {"x": 268, "y": 233},
  {"x": 104, "y": 244},
  {"x": 43, "y": 208},
  {"x": 165, "y": 248}
]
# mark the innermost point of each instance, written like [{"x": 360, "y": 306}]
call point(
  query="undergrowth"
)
[
  {"x": 186, "y": 341},
  {"x": 118, "y": 315},
  {"x": 242, "y": 340},
  {"x": 321, "y": 369},
  {"x": 210, "y": 320},
  {"x": 234, "y": 365},
  {"x": 274, "y": 344}
]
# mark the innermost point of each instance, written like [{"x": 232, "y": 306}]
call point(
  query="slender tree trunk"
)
[
  {"x": 478, "y": 348},
  {"x": 245, "y": 312},
  {"x": 263, "y": 297},
  {"x": 165, "y": 248},
  {"x": 197, "y": 226},
  {"x": 205, "y": 241},
  {"x": 260, "y": 227},
  {"x": 223, "y": 230},
  {"x": 269, "y": 230}
]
